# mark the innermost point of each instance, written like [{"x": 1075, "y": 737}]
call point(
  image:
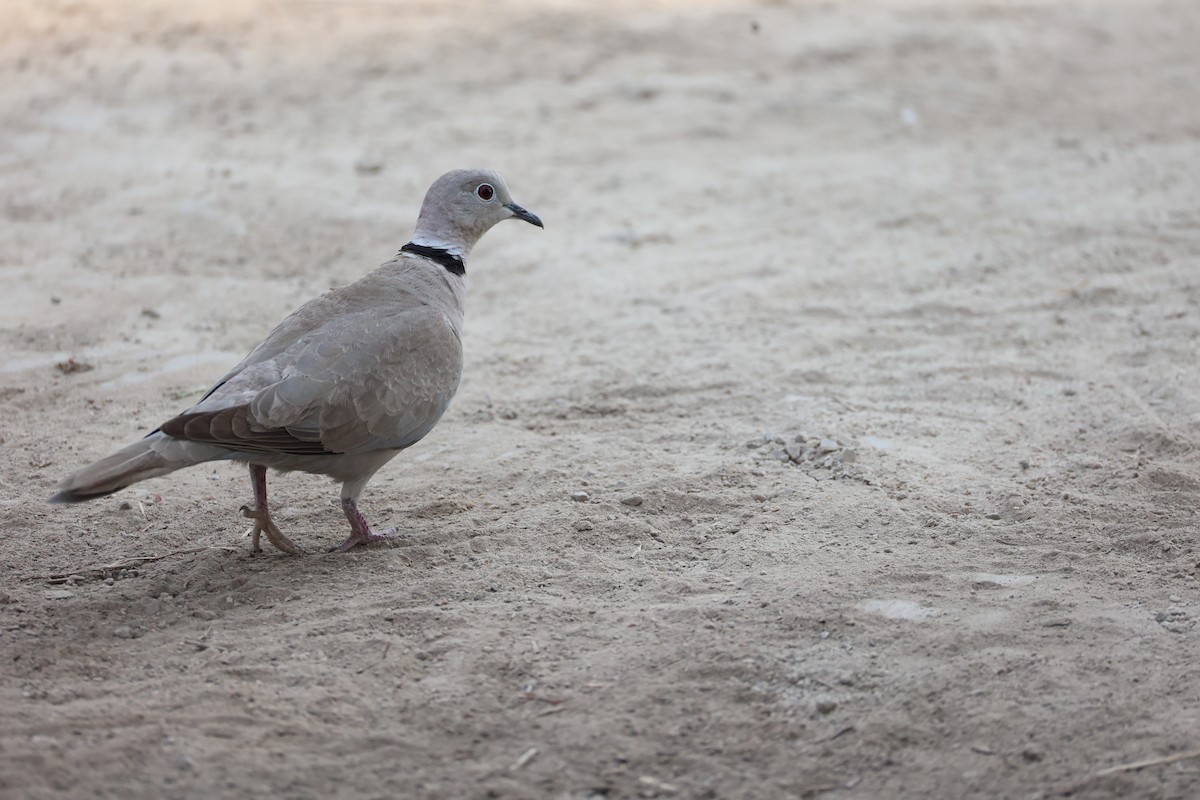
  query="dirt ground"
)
[{"x": 838, "y": 436}]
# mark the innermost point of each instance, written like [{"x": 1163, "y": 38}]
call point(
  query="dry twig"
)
[
  {"x": 525, "y": 758},
  {"x": 1149, "y": 762},
  {"x": 117, "y": 566}
]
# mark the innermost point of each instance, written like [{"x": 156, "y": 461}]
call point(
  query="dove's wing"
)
[{"x": 365, "y": 381}]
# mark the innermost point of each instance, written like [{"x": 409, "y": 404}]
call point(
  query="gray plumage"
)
[{"x": 346, "y": 382}]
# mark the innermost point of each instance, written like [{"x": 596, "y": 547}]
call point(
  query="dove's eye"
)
[{"x": 485, "y": 192}]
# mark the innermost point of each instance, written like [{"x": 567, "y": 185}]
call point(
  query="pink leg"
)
[
  {"x": 262, "y": 516},
  {"x": 360, "y": 530}
]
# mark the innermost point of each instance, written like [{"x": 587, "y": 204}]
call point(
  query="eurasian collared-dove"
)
[{"x": 346, "y": 382}]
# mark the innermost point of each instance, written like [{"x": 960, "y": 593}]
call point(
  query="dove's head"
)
[{"x": 461, "y": 206}]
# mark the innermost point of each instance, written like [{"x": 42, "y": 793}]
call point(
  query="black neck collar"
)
[{"x": 451, "y": 262}]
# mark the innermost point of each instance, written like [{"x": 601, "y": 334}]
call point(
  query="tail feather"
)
[{"x": 137, "y": 462}]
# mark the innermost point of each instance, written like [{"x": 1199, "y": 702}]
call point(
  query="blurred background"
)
[{"x": 867, "y": 332}]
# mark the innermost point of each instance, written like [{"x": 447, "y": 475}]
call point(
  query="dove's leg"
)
[
  {"x": 262, "y": 516},
  {"x": 360, "y": 530}
]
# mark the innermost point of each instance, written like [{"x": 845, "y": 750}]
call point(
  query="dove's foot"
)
[
  {"x": 360, "y": 531},
  {"x": 369, "y": 537},
  {"x": 264, "y": 524},
  {"x": 262, "y": 517}
]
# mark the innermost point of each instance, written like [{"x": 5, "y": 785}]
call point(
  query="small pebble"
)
[
  {"x": 123, "y": 632},
  {"x": 58, "y": 594},
  {"x": 580, "y": 497},
  {"x": 369, "y": 165},
  {"x": 634, "y": 500},
  {"x": 826, "y": 706}
]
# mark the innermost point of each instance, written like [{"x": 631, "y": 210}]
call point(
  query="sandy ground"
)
[{"x": 886, "y": 312}]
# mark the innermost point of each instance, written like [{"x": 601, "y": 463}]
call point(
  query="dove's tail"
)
[{"x": 155, "y": 455}]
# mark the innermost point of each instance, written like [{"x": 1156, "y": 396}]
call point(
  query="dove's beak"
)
[{"x": 521, "y": 213}]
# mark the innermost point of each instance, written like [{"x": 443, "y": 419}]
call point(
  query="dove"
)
[{"x": 342, "y": 385}]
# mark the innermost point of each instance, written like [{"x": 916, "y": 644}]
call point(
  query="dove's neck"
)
[
  {"x": 457, "y": 249},
  {"x": 451, "y": 261},
  {"x": 443, "y": 233}
]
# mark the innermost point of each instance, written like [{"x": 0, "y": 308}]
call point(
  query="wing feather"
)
[{"x": 361, "y": 382}]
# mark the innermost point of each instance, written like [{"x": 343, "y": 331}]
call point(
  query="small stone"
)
[
  {"x": 584, "y": 525},
  {"x": 58, "y": 594},
  {"x": 828, "y": 446},
  {"x": 123, "y": 632},
  {"x": 992, "y": 516},
  {"x": 71, "y": 366},
  {"x": 205, "y": 614},
  {"x": 826, "y": 706},
  {"x": 1031, "y": 754},
  {"x": 1175, "y": 620},
  {"x": 185, "y": 764},
  {"x": 633, "y": 500},
  {"x": 369, "y": 165},
  {"x": 580, "y": 496}
]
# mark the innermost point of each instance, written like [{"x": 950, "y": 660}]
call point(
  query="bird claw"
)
[
  {"x": 370, "y": 537},
  {"x": 264, "y": 524}
]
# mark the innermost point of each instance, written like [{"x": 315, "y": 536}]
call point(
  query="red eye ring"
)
[{"x": 485, "y": 191}]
